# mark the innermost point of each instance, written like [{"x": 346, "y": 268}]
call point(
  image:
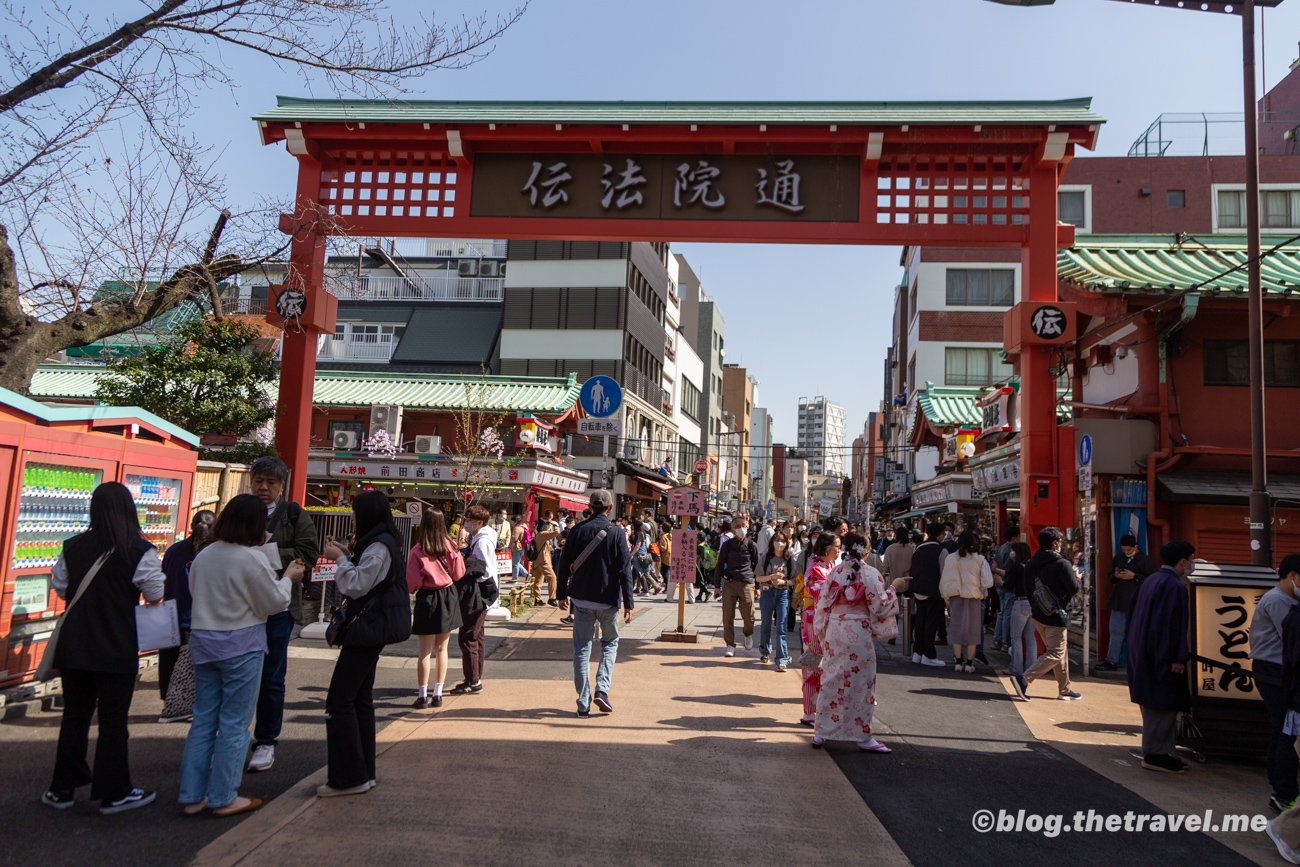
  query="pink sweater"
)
[{"x": 432, "y": 573}]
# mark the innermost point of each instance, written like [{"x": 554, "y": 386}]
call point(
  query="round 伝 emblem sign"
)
[
  {"x": 1048, "y": 322},
  {"x": 291, "y": 303}
]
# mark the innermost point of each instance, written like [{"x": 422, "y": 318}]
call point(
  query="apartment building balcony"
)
[
  {"x": 422, "y": 288},
  {"x": 356, "y": 347},
  {"x": 643, "y": 387}
]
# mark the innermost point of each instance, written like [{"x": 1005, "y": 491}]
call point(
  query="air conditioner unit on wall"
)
[
  {"x": 389, "y": 418},
  {"x": 345, "y": 440},
  {"x": 428, "y": 445},
  {"x": 489, "y": 268},
  {"x": 467, "y": 268}
]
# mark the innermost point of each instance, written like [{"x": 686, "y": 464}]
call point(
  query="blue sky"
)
[{"x": 810, "y": 320}]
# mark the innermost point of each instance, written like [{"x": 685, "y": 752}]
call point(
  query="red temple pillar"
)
[
  {"x": 298, "y": 349},
  {"x": 1040, "y": 477}
]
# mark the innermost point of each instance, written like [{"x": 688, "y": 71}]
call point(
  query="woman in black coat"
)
[
  {"x": 97, "y": 653},
  {"x": 373, "y": 580}
]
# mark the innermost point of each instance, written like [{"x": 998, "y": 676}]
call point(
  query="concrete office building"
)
[{"x": 821, "y": 436}]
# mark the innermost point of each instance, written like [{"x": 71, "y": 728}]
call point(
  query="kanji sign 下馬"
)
[
  {"x": 657, "y": 186},
  {"x": 682, "y": 563},
  {"x": 686, "y": 500}
]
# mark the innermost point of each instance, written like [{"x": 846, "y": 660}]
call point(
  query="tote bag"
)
[{"x": 157, "y": 625}]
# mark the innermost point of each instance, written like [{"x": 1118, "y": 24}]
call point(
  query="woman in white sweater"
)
[
  {"x": 964, "y": 582},
  {"x": 235, "y": 589}
]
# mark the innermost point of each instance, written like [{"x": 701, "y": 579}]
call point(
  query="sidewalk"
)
[{"x": 689, "y": 770}]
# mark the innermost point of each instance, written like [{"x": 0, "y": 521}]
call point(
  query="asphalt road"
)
[
  {"x": 960, "y": 747},
  {"x": 157, "y": 834}
]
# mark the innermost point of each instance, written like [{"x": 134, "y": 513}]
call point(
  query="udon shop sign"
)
[{"x": 667, "y": 187}]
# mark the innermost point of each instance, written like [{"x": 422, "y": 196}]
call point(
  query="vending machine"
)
[{"x": 51, "y": 460}]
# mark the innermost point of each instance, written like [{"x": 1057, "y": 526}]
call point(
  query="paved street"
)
[{"x": 703, "y": 762}]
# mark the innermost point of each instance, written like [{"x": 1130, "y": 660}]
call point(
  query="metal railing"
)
[
  {"x": 372, "y": 349},
  {"x": 423, "y": 248},
  {"x": 642, "y": 386},
  {"x": 422, "y": 288},
  {"x": 233, "y": 305}
]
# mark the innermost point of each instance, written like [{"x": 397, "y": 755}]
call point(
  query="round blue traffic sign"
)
[
  {"x": 1085, "y": 450},
  {"x": 600, "y": 397}
]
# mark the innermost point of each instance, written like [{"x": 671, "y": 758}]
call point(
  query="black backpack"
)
[{"x": 531, "y": 552}]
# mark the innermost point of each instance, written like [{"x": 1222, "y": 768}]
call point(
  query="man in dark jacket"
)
[
  {"x": 737, "y": 565},
  {"x": 1131, "y": 566},
  {"x": 1158, "y": 654},
  {"x": 1048, "y": 568},
  {"x": 926, "y": 570},
  {"x": 294, "y": 534},
  {"x": 1284, "y": 831},
  {"x": 595, "y": 571}
]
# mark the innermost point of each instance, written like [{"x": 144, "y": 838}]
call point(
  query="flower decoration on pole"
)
[{"x": 381, "y": 444}]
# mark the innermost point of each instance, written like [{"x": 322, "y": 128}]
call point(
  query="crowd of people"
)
[{"x": 238, "y": 583}]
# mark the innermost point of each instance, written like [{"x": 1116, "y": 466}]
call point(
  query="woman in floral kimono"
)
[
  {"x": 825, "y": 552},
  {"x": 855, "y": 607}
]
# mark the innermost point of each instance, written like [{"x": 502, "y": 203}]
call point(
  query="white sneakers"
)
[
  {"x": 263, "y": 758},
  {"x": 937, "y": 663},
  {"x": 916, "y": 658},
  {"x": 730, "y": 652},
  {"x": 749, "y": 642}
]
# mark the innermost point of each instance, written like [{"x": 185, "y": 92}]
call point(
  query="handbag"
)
[
  {"x": 45, "y": 670},
  {"x": 157, "y": 626},
  {"x": 811, "y": 659}
]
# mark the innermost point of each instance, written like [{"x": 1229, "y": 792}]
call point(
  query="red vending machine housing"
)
[{"x": 51, "y": 459}]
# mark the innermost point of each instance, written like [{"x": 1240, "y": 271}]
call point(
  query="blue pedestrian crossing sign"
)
[
  {"x": 600, "y": 397},
  {"x": 1085, "y": 450}
]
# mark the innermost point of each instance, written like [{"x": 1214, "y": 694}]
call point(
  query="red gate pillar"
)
[
  {"x": 298, "y": 350},
  {"x": 1039, "y": 472}
]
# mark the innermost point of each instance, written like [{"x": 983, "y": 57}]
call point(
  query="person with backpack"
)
[
  {"x": 377, "y": 612},
  {"x": 642, "y": 562},
  {"x": 294, "y": 534},
  {"x": 539, "y": 558},
  {"x": 432, "y": 567},
  {"x": 1053, "y": 583},
  {"x": 595, "y": 573},
  {"x": 520, "y": 537},
  {"x": 706, "y": 559}
]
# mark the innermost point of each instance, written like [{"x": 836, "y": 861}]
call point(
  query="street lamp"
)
[{"x": 1261, "y": 544}]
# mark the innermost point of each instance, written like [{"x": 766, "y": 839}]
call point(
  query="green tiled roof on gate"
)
[
  {"x": 1156, "y": 264},
  {"x": 951, "y": 406},
  {"x": 544, "y": 395},
  {"x": 1066, "y": 111}
]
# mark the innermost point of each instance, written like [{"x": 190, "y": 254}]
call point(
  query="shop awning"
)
[
  {"x": 565, "y": 499},
  {"x": 916, "y": 513},
  {"x": 544, "y": 395},
  {"x": 1220, "y": 487},
  {"x": 1157, "y": 264}
]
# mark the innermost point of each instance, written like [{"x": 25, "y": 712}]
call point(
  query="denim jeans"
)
[
  {"x": 1002, "y": 630},
  {"x": 517, "y": 565},
  {"x": 584, "y": 633},
  {"x": 1118, "y": 621},
  {"x": 270, "y": 697},
  {"x": 773, "y": 607},
  {"x": 1022, "y": 626},
  {"x": 225, "y": 694}
]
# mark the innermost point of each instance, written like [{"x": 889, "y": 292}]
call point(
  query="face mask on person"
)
[
  {"x": 740, "y": 533},
  {"x": 778, "y": 547}
]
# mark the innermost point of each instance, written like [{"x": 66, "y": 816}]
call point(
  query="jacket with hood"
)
[{"x": 1057, "y": 575}]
